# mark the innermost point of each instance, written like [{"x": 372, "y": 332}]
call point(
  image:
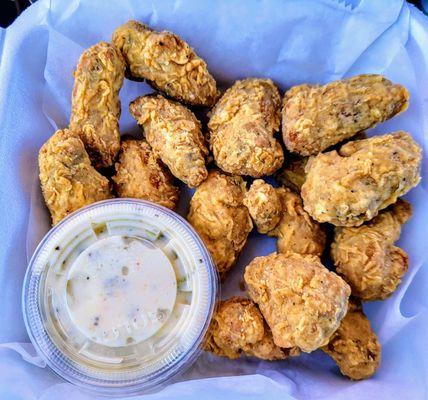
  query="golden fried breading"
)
[
  {"x": 139, "y": 174},
  {"x": 264, "y": 204},
  {"x": 266, "y": 349},
  {"x": 292, "y": 175},
  {"x": 301, "y": 300},
  {"x": 242, "y": 126},
  {"x": 238, "y": 328},
  {"x": 279, "y": 213},
  {"x": 354, "y": 346},
  {"x": 167, "y": 62},
  {"x": 316, "y": 117},
  {"x": 95, "y": 108},
  {"x": 219, "y": 216},
  {"x": 175, "y": 136},
  {"x": 350, "y": 186},
  {"x": 297, "y": 232},
  {"x": 366, "y": 256},
  {"x": 68, "y": 179}
]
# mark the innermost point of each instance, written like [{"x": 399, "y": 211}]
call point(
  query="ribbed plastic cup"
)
[{"x": 146, "y": 360}]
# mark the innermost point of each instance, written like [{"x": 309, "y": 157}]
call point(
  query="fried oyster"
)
[
  {"x": 264, "y": 204},
  {"x": 366, "y": 256},
  {"x": 241, "y": 128},
  {"x": 175, "y": 135},
  {"x": 316, "y": 117},
  {"x": 139, "y": 174},
  {"x": 238, "y": 328},
  {"x": 301, "y": 300},
  {"x": 67, "y": 177},
  {"x": 95, "y": 108},
  {"x": 167, "y": 62},
  {"x": 292, "y": 175},
  {"x": 279, "y": 213},
  {"x": 350, "y": 186},
  {"x": 219, "y": 216},
  {"x": 297, "y": 231},
  {"x": 354, "y": 346}
]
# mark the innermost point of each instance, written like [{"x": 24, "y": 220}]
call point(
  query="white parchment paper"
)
[{"x": 290, "y": 41}]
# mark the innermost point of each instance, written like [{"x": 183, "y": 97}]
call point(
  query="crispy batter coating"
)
[
  {"x": 167, "y": 62},
  {"x": 316, "y": 117},
  {"x": 139, "y": 174},
  {"x": 350, "y": 186},
  {"x": 366, "y": 256},
  {"x": 279, "y": 213},
  {"x": 175, "y": 136},
  {"x": 297, "y": 232},
  {"x": 68, "y": 179},
  {"x": 95, "y": 108},
  {"x": 264, "y": 204},
  {"x": 301, "y": 300},
  {"x": 292, "y": 175},
  {"x": 242, "y": 126},
  {"x": 354, "y": 346},
  {"x": 219, "y": 216},
  {"x": 238, "y": 329}
]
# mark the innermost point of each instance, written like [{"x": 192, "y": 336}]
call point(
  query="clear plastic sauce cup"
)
[{"x": 118, "y": 296}]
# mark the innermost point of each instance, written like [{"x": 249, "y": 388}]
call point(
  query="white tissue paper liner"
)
[{"x": 291, "y": 42}]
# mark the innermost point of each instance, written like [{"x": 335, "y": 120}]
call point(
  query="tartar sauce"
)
[
  {"x": 119, "y": 294},
  {"x": 121, "y": 290}
]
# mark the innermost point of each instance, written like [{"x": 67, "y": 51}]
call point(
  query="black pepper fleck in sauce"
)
[{"x": 161, "y": 314}]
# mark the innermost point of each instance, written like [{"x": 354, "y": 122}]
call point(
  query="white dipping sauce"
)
[
  {"x": 119, "y": 295},
  {"x": 121, "y": 290}
]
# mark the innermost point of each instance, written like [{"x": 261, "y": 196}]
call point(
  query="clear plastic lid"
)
[{"x": 118, "y": 297}]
